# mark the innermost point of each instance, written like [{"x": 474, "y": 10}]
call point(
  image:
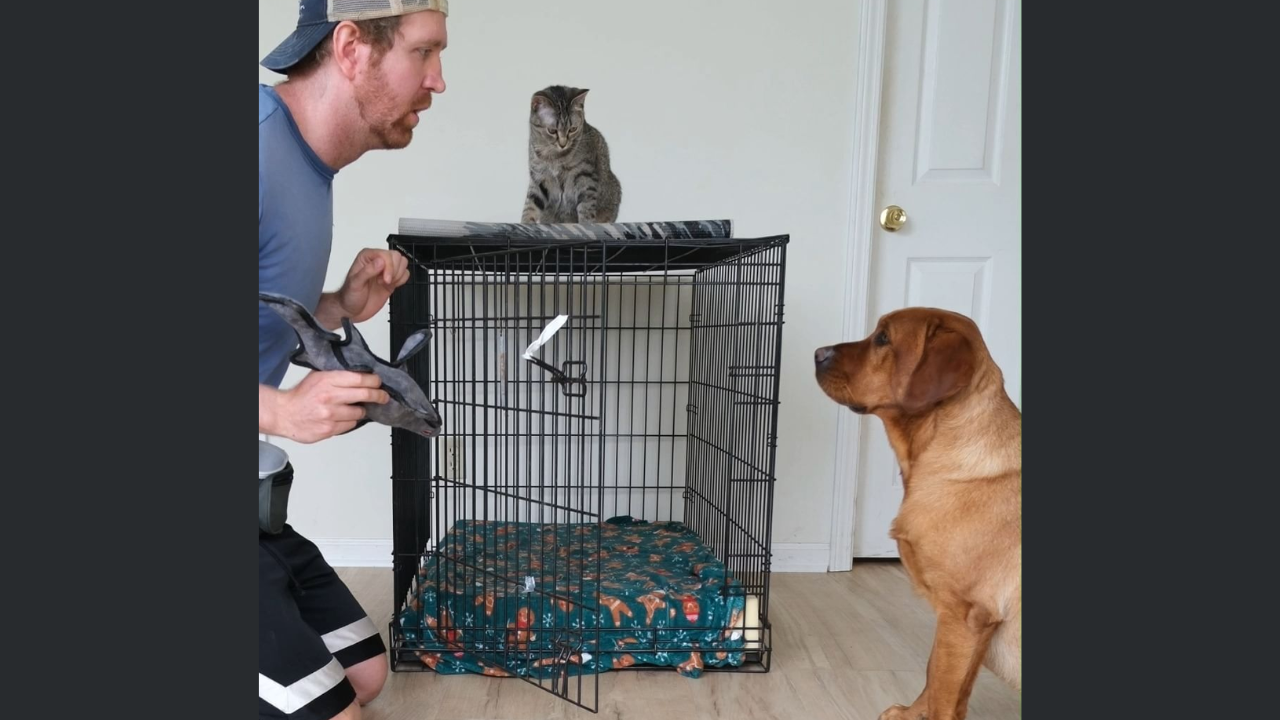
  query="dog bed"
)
[{"x": 534, "y": 600}]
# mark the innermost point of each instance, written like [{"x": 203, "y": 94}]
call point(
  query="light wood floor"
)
[{"x": 845, "y": 645}]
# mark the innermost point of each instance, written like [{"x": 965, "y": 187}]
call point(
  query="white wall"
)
[{"x": 739, "y": 110}]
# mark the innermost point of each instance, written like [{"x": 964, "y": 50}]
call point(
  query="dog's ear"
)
[{"x": 946, "y": 366}]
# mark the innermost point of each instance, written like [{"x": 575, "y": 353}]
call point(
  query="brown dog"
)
[{"x": 927, "y": 374}]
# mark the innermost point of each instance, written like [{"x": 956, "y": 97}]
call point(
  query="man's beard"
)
[{"x": 377, "y": 109}]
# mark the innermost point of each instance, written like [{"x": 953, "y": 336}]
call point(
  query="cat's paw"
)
[{"x": 592, "y": 214}]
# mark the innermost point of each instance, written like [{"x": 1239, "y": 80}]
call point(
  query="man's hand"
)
[
  {"x": 370, "y": 281},
  {"x": 319, "y": 407}
]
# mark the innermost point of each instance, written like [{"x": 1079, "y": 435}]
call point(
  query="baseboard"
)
[
  {"x": 376, "y": 552},
  {"x": 801, "y": 557}
]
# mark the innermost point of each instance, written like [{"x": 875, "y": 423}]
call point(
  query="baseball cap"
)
[{"x": 317, "y": 17}]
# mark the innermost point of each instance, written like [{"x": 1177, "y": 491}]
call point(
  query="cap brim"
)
[{"x": 296, "y": 46}]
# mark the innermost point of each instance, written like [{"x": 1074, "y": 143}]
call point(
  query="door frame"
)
[{"x": 851, "y": 429}]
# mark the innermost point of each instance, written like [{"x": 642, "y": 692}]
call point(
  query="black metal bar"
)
[
  {"x": 544, "y": 413},
  {"x": 779, "y": 294},
  {"x": 617, "y": 396},
  {"x": 573, "y": 486},
  {"x": 666, "y": 436},
  {"x": 728, "y": 456}
]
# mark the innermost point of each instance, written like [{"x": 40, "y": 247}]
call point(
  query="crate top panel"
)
[{"x": 514, "y": 254}]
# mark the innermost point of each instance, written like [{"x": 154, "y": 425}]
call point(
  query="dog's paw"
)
[{"x": 899, "y": 712}]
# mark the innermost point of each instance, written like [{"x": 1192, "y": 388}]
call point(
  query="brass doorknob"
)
[{"x": 892, "y": 218}]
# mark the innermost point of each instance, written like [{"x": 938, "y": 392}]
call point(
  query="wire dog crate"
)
[{"x": 601, "y": 495}]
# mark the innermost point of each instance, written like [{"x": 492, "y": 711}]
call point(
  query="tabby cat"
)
[{"x": 570, "y": 180}]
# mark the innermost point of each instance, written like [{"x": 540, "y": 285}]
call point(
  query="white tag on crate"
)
[{"x": 551, "y": 329}]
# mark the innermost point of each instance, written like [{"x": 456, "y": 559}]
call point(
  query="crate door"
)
[{"x": 511, "y": 488}]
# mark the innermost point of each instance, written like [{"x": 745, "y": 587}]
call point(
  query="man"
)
[{"x": 358, "y": 74}]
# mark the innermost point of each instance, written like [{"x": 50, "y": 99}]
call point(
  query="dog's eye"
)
[{"x": 882, "y": 338}]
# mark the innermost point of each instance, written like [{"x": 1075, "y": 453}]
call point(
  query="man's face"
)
[{"x": 397, "y": 86}]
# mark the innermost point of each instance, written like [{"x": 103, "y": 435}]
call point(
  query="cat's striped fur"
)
[{"x": 570, "y": 178}]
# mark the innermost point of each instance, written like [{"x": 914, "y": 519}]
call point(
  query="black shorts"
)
[{"x": 310, "y": 629}]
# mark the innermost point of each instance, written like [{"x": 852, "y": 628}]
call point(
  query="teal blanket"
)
[{"x": 533, "y": 600}]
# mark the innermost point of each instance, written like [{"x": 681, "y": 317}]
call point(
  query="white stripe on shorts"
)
[
  {"x": 345, "y": 637},
  {"x": 299, "y": 694}
]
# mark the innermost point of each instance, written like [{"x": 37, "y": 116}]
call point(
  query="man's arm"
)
[
  {"x": 368, "y": 285},
  {"x": 329, "y": 312},
  {"x": 268, "y": 410},
  {"x": 324, "y": 404}
]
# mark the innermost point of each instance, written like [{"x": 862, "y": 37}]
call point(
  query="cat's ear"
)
[
  {"x": 580, "y": 98},
  {"x": 541, "y": 107}
]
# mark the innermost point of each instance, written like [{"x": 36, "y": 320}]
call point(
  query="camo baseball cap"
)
[{"x": 317, "y": 17}]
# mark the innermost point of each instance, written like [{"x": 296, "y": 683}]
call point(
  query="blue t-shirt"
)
[{"x": 295, "y": 228}]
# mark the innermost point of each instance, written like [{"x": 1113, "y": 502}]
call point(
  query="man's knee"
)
[{"x": 368, "y": 677}]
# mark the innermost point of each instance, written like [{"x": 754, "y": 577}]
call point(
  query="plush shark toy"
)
[{"x": 320, "y": 349}]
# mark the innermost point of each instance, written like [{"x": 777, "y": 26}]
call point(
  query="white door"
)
[{"x": 950, "y": 156}]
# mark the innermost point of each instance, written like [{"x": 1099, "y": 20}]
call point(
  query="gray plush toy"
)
[{"x": 320, "y": 349}]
